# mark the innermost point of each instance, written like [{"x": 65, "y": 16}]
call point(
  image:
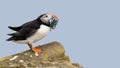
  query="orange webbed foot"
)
[{"x": 36, "y": 50}]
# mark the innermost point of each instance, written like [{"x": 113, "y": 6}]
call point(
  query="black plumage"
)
[
  {"x": 25, "y": 30},
  {"x": 33, "y": 31}
]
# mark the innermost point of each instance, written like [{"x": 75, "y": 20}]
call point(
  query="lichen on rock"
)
[{"x": 52, "y": 56}]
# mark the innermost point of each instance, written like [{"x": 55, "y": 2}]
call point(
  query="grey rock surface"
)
[{"x": 52, "y": 56}]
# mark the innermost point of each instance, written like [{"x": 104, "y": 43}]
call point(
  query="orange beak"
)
[{"x": 56, "y": 17}]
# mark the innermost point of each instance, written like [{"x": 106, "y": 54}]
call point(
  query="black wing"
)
[
  {"x": 15, "y": 28},
  {"x": 23, "y": 34},
  {"x": 24, "y": 31},
  {"x": 33, "y": 24}
]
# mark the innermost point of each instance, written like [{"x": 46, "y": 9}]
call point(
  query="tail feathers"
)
[
  {"x": 17, "y": 34},
  {"x": 10, "y": 34},
  {"x": 11, "y": 38},
  {"x": 15, "y": 28}
]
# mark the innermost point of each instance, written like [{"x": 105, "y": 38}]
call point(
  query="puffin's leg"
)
[{"x": 35, "y": 49}]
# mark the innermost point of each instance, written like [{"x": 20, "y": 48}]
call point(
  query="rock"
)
[{"x": 52, "y": 56}]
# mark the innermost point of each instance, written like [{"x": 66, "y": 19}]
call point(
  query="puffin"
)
[{"x": 34, "y": 30}]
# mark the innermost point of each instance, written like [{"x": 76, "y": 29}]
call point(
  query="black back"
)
[{"x": 25, "y": 30}]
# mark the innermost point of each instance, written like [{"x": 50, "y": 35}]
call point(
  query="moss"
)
[
  {"x": 53, "y": 56},
  {"x": 0, "y": 66},
  {"x": 31, "y": 65}
]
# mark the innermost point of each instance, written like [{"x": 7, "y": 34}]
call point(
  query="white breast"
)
[{"x": 40, "y": 33}]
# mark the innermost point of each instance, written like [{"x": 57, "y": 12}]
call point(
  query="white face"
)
[
  {"x": 45, "y": 18},
  {"x": 49, "y": 19}
]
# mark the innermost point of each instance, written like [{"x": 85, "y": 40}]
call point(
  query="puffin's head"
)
[{"x": 49, "y": 19}]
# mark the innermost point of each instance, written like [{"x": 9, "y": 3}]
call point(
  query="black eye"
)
[{"x": 46, "y": 16}]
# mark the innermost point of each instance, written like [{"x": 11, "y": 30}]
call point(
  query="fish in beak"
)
[{"x": 53, "y": 21}]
